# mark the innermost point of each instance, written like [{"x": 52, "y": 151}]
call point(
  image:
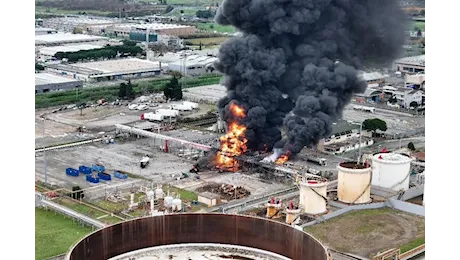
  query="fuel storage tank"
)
[
  {"x": 391, "y": 170},
  {"x": 198, "y": 228},
  {"x": 313, "y": 198},
  {"x": 354, "y": 183}
]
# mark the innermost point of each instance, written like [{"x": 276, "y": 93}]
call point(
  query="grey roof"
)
[
  {"x": 414, "y": 60},
  {"x": 370, "y": 76},
  {"x": 370, "y": 92},
  {"x": 343, "y": 126},
  {"x": 47, "y": 78}
]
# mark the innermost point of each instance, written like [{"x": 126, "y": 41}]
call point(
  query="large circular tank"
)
[
  {"x": 159, "y": 193},
  {"x": 193, "y": 228},
  {"x": 177, "y": 204},
  {"x": 313, "y": 196},
  {"x": 391, "y": 171},
  {"x": 168, "y": 201},
  {"x": 354, "y": 183}
]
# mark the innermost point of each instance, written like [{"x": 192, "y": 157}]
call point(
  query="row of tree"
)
[
  {"x": 128, "y": 48},
  {"x": 205, "y": 14},
  {"x": 172, "y": 90}
]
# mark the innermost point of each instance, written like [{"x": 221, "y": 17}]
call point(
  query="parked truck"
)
[
  {"x": 317, "y": 160},
  {"x": 168, "y": 112},
  {"x": 182, "y": 107},
  {"x": 152, "y": 117}
]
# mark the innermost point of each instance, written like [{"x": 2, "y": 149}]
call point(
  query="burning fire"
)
[
  {"x": 283, "y": 158},
  {"x": 233, "y": 143}
]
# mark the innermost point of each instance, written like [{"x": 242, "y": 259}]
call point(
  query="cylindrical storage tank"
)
[
  {"x": 168, "y": 201},
  {"x": 354, "y": 183},
  {"x": 391, "y": 171},
  {"x": 159, "y": 193},
  {"x": 291, "y": 215},
  {"x": 313, "y": 196},
  {"x": 177, "y": 204},
  {"x": 150, "y": 194}
]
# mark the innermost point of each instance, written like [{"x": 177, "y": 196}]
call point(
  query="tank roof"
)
[
  {"x": 392, "y": 157},
  {"x": 353, "y": 165}
]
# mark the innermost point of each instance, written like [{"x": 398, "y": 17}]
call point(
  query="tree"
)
[
  {"x": 374, "y": 125},
  {"x": 422, "y": 12},
  {"x": 173, "y": 90},
  {"x": 201, "y": 46},
  {"x": 413, "y": 104},
  {"x": 181, "y": 11},
  {"x": 122, "y": 92},
  {"x": 39, "y": 67},
  {"x": 129, "y": 91},
  {"x": 411, "y": 146}
]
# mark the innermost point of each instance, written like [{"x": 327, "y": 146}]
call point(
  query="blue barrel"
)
[
  {"x": 71, "y": 172},
  {"x": 104, "y": 176},
  {"x": 84, "y": 169},
  {"x": 91, "y": 179},
  {"x": 120, "y": 175},
  {"x": 98, "y": 168}
]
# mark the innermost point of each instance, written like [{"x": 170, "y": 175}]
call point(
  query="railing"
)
[{"x": 413, "y": 252}]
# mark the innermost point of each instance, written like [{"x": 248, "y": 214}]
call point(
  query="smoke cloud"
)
[{"x": 295, "y": 64}]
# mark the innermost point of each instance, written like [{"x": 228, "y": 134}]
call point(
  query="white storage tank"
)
[
  {"x": 159, "y": 193},
  {"x": 391, "y": 171},
  {"x": 168, "y": 201},
  {"x": 354, "y": 183},
  {"x": 177, "y": 204},
  {"x": 150, "y": 194},
  {"x": 313, "y": 196}
]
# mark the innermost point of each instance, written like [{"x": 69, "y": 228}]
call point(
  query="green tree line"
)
[{"x": 128, "y": 48}]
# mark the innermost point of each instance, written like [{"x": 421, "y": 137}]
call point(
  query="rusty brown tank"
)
[{"x": 240, "y": 230}]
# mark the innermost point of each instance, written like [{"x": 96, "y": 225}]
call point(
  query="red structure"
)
[{"x": 166, "y": 146}]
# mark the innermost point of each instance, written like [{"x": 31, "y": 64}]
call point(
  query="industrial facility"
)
[
  {"x": 46, "y": 82},
  {"x": 203, "y": 230},
  {"x": 108, "y": 70},
  {"x": 65, "y": 38},
  {"x": 124, "y": 30}
]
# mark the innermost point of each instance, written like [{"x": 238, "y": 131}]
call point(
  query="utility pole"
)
[
  {"x": 360, "y": 134},
  {"x": 44, "y": 152}
]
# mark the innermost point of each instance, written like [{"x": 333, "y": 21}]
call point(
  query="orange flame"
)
[
  {"x": 233, "y": 143},
  {"x": 283, "y": 158}
]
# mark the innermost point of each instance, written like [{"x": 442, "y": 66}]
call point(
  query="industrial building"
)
[
  {"x": 65, "y": 38},
  {"x": 372, "y": 77},
  {"x": 278, "y": 240},
  {"x": 47, "y": 53},
  {"x": 45, "y": 82},
  {"x": 209, "y": 198},
  {"x": 411, "y": 65},
  {"x": 42, "y": 31},
  {"x": 372, "y": 93},
  {"x": 124, "y": 30},
  {"x": 194, "y": 65},
  {"x": 109, "y": 69},
  {"x": 85, "y": 23},
  {"x": 405, "y": 96}
]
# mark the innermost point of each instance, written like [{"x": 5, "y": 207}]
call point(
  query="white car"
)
[
  {"x": 132, "y": 106},
  {"x": 142, "y": 107}
]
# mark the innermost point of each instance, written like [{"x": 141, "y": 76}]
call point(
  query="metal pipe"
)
[{"x": 360, "y": 134}]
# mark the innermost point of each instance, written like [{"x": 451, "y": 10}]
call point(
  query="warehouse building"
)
[
  {"x": 109, "y": 69},
  {"x": 194, "y": 65},
  {"x": 65, "y": 38},
  {"x": 46, "y": 82},
  {"x": 42, "y": 31},
  {"x": 124, "y": 30},
  {"x": 372, "y": 77},
  {"x": 47, "y": 53},
  {"x": 411, "y": 65}
]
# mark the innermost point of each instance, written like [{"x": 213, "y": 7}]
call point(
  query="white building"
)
[
  {"x": 47, "y": 53},
  {"x": 65, "y": 38},
  {"x": 344, "y": 138},
  {"x": 372, "y": 77},
  {"x": 411, "y": 65},
  {"x": 108, "y": 69},
  {"x": 405, "y": 96},
  {"x": 209, "y": 198},
  {"x": 194, "y": 65}
]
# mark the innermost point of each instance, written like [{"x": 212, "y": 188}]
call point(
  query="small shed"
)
[{"x": 209, "y": 198}]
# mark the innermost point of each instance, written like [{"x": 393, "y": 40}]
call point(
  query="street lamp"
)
[
  {"x": 44, "y": 151},
  {"x": 360, "y": 134}
]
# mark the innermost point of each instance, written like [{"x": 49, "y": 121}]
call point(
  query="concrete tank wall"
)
[
  {"x": 392, "y": 171},
  {"x": 353, "y": 182},
  {"x": 310, "y": 201},
  {"x": 246, "y": 231}
]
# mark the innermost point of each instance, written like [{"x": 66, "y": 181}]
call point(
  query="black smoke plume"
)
[{"x": 295, "y": 63}]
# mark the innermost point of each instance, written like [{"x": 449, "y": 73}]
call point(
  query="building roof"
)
[
  {"x": 370, "y": 76},
  {"x": 405, "y": 90},
  {"x": 209, "y": 195},
  {"x": 65, "y": 38},
  {"x": 343, "y": 126},
  {"x": 47, "y": 78},
  {"x": 370, "y": 92},
  {"x": 41, "y": 29},
  {"x": 194, "y": 60},
  {"x": 151, "y": 26},
  {"x": 50, "y": 51},
  {"x": 413, "y": 60}
]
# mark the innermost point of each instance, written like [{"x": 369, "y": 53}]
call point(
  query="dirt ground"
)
[{"x": 366, "y": 232}]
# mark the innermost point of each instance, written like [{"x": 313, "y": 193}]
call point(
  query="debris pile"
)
[{"x": 226, "y": 191}]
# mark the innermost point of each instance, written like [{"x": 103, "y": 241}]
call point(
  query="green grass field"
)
[
  {"x": 418, "y": 25},
  {"x": 88, "y": 211},
  {"x": 216, "y": 27},
  {"x": 412, "y": 244},
  {"x": 110, "y": 93},
  {"x": 52, "y": 10},
  {"x": 185, "y": 195},
  {"x": 207, "y": 41},
  {"x": 55, "y": 234}
]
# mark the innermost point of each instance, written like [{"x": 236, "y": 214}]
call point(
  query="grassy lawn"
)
[
  {"x": 111, "y": 206},
  {"x": 83, "y": 209},
  {"x": 185, "y": 195},
  {"x": 110, "y": 220},
  {"x": 207, "y": 41},
  {"x": 216, "y": 27},
  {"x": 53, "y": 10},
  {"x": 55, "y": 234},
  {"x": 419, "y": 25},
  {"x": 366, "y": 232},
  {"x": 110, "y": 93},
  {"x": 412, "y": 244}
]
